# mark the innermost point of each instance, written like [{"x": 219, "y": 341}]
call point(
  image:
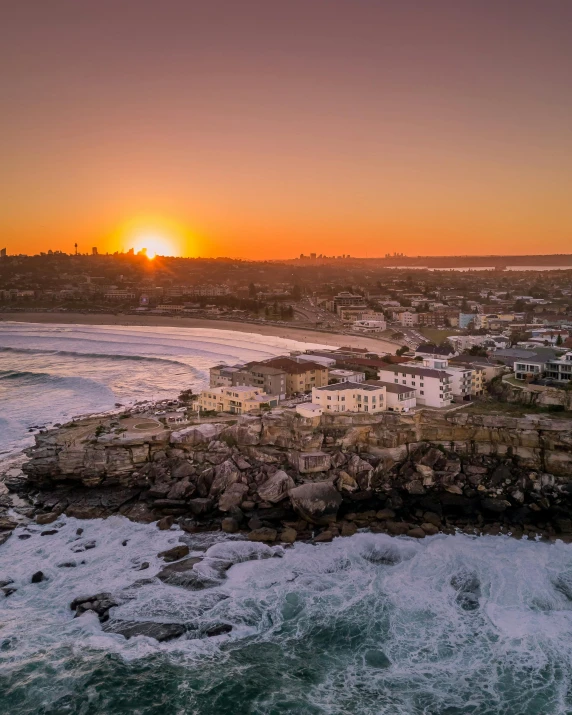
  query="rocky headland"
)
[{"x": 279, "y": 477}]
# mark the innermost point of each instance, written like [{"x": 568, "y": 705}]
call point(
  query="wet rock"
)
[
  {"x": 432, "y": 518},
  {"x": 49, "y": 532},
  {"x": 324, "y": 537},
  {"x": 348, "y": 528},
  {"x": 376, "y": 659},
  {"x": 67, "y": 565},
  {"x": 229, "y": 525},
  {"x": 46, "y": 518},
  {"x": 143, "y": 566},
  {"x": 200, "y": 506},
  {"x": 288, "y": 535},
  {"x": 397, "y": 528},
  {"x": 7, "y": 524},
  {"x": 8, "y": 590},
  {"x": 317, "y": 503},
  {"x": 495, "y": 505},
  {"x": 263, "y": 534},
  {"x": 385, "y": 515},
  {"x": 182, "y": 573},
  {"x": 174, "y": 554},
  {"x": 218, "y": 630},
  {"x": 430, "y": 529},
  {"x": 79, "y": 531},
  {"x": 6, "y": 582},
  {"x": 83, "y": 546},
  {"x": 468, "y": 588},
  {"x": 158, "y": 631},
  {"x": 165, "y": 523},
  {"x": 38, "y": 577},
  {"x": 99, "y": 604},
  {"x": 416, "y": 533}
]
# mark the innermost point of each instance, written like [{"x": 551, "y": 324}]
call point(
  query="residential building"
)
[
  {"x": 119, "y": 294},
  {"x": 346, "y": 300},
  {"x": 432, "y": 385},
  {"x": 399, "y": 398},
  {"x": 270, "y": 379},
  {"x": 221, "y": 375},
  {"x": 408, "y": 319},
  {"x": 321, "y": 359},
  {"x": 300, "y": 376},
  {"x": 466, "y": 319},
  {"x": 558, "y": 369},
  {"x": 339, "y": 375},
  {"x": 237, "y": 400},
  {"x": 350, "y": 397},
  {"x": 430, "y": 350}
]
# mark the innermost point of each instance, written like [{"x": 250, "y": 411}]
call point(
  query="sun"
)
[{"x": 153, "y": 244}]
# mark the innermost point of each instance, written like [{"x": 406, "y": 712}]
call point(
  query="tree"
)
[
  {"x": 252, "y": 290},
  {"x": 401, "y": 351},
  {"x": 559, "y": 340}
]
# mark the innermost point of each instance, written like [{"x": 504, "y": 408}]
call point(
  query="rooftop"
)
[
  {"x": 421, "y": 371},
  {"x": 343, "y": 386},
  {"x": 392, "y": 387}
]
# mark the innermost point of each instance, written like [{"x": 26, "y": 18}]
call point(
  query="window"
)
[
  {"x": 343, "y": 399},
  {"x": 421, "y": 391},
  {"x": 329, "y": 397}
]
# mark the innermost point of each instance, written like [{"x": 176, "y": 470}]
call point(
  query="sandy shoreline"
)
[{"x": 281, "y": 331}]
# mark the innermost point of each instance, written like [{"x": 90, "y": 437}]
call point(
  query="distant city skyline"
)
[{"x": 263, "y": 130}]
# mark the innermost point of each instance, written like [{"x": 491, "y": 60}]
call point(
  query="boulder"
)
[
  {"x": 229, "y": 525},
  {"x": 317, "y": 503},
  {"x": 430, "y": 529},
  {"x": 288, "y": 535},
  {"x": 232, "y": 497},
  {"x": 46, "y": 518},
  {"x": 182, "y": 573},
  {"x": 348, "y": 528},
  {"x": 226, "y": 474},
  {"x": 262, "y": 534},
  {"x": 165, "y": 523},
  {"x": 200, "y": 506},
  {"x": 38, "y": 577},
  {"x": 417, "y": 533},
  {"x": 197, "y": 434},
  {"x": 397, "y": 528},
  {"x": 495, "y": 505},
  {"x": 346, "y": 483},
  {"x": 276, "y": 487},
  {"x": 158, "y": 631},
  {"x": 174, "y": 554}
]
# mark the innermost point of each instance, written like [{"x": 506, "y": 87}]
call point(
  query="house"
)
[
  {"x": 557, "y": 368},
  {"x": 399, "y": 398},
  {"x": 309, "y": 410},
  {"x": 369, "y": 326},
  {"x": 429, "y": 350},
  {"x": 350, "y": 397},
  {"x": 238, "y": 400},
  {"x": 346, "y": 376},
  {"x": 432, "y": 385}
]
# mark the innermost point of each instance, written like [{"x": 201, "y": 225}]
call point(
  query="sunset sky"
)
[{"x": 267, "y": 128}]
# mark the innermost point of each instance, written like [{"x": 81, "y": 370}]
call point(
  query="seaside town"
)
[{"x": 453, "y": 333}]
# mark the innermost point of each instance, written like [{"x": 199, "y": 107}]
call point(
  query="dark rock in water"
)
[
  {"x": 67, "y": 565},
  {"x": 100, "y": 604},
  {"x": 124, "y": 543},
  {"x": 182, "y": 573},
  {"x": 468, "y": 588},
  {"x": 4, "y": 537},
  {"x": 165, "y": 523},
  {"x": 143, "y": 566},
  {"x": 7, "y": 524},
  {"x": 79, "y": 531},
  {"x": 376, "y": 659},
  {"x": 218, "y": 630},
  {"x": 84, "y": 546},
  {"x": 229, "y": 525},
  {"x": 159, "y": 631},
  {"x": 8, "y": 591},
  {"x": 23, "y": 537},
  {"x": 48, "y": 532},
  {"x": 6, "y": 582},
  {"x": 176, "y": 553},
  {"x": 46, "y": 518},
  {"x": 38, "y": 577}
]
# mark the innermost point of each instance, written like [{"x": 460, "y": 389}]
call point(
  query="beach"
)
[{"x": 288, "y": 332}]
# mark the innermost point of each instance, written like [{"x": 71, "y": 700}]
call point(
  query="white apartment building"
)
[
  {"x": 399, "y": 398},
  {"x": 432, "y": 385},
  {"x": 350, "y": 397},
  {"x": 408, "y": 319},
  {"x": 346, "y": 375}
]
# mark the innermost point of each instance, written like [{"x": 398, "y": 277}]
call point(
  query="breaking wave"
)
[{"x": 369, "y": 624}]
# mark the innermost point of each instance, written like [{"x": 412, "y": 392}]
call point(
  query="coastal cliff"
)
[{"x": 282, "y": 475}]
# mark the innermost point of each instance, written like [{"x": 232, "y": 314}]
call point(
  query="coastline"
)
[{"x": 300, "y": 334}]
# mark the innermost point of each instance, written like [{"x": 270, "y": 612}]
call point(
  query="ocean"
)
[
  {"x": 370, "y": 624},
  {"x": 52, "y": 373}
]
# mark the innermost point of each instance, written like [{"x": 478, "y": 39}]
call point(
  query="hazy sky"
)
[{"x": 266, "y": 128}]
